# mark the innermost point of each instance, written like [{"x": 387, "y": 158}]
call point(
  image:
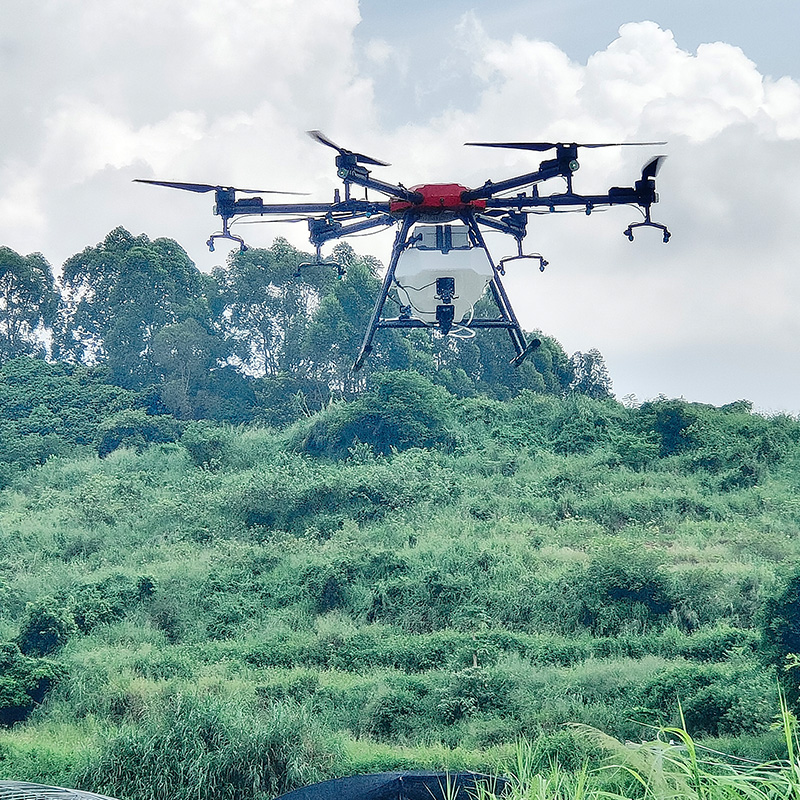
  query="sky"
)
[{"x": 98, "y": 92}]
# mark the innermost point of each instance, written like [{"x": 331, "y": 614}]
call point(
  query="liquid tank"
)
[{"x": 442, "y": 270}]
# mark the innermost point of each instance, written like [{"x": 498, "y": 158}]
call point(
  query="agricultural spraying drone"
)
[{"x": 440, "y": 265}]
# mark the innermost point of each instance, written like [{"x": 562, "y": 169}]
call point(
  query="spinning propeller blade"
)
[
  {"x": 652, "y": 167},
  {"x": 541, "y": 147},
  {"x": 319, "y": 136},
  {"x": 207, "y": 187}
]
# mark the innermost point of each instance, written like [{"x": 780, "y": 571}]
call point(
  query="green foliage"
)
[
  {"x": 473, "y": 690},
  {"x": 108, "y": 600},
  {"x": 118, "y": 295},
  {"x": 24, "y": 682},
  {"x": 28, "y": 303},
  {"x": 468, "y": 570},
  {"x": 51, "y": 409},
  {"x": 134, "y": 428},
  {"x": 780, "y": 627},
  {"x": 207, "y": 444},
  {"x": 730, "y": 443},
  {"x": 623, "y": 588},
  {"x": 269, "y": 302},
  {"x": 297, "y": 494},
  {"x": 197, "y": 746},
  {"x": 403, "y": 410},
  {"x": 719, "y": 699},
  {"x": 45, "y": 627},
  {"x": 184, "y": 355},
  {"x": 591, "y": 375}
]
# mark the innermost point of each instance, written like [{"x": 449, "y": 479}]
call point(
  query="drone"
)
[{"x": 440, "y": 265}]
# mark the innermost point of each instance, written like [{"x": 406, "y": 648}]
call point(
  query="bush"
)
[
  {"x": 23, "y": 682},
  {"x": 403, "y": 410},
  {"x": 474, "y": 690},
  {"x": 717, "y": 699},
  {"x": 196, "y": 747},
  {"x": 45, "y": 627},
  {"x": 396, "y": 710},
  {"x": 297, "y": 494},
  {"x": 624, "y": 589},
  {"x": 780, "y": 629},
  {"x": 206, "y": 443},
  {"x": 134, "y": 428},
  {"x": 108, "y": 600}
]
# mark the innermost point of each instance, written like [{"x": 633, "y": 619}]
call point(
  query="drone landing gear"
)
[
  {"x": 648, "y": 223},
  {"x": 501, "y": 265},
  {"x": 533, "y": 344},
  {"x": 226, "y": 234},
  {"x": 319, "y": 262}
]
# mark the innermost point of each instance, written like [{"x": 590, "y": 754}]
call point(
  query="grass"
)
[{"x": 424, "y": 608}]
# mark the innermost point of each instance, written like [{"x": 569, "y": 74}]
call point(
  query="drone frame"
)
[{"x": 440, "y": 204}]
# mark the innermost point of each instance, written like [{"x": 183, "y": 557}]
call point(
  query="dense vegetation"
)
[{"x": 228, "y": 572}]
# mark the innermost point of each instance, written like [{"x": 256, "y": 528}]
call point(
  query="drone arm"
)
[
  {"x": 323, "y": 230},
  {"x": 513, "y": 224},
  {"x": 640, "y": 195},
  {"x": 253, "y": 206},
  {"x": 565, "y": 163},
  {"x": 546, "y": 171},
  {"x": 361, "y": 177}
]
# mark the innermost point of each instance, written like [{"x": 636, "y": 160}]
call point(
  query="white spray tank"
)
[{"x": 441, "y": 276}]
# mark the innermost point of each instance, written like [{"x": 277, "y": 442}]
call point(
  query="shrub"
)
[
  {"x": 206, "y": 443},
  {"x": 403, "y": 410},
  {"x": 23, "y": 682},
  {"x": 45, "y": 627},
  {"x": 297, "y": 494},
  {"x": 624, "y": 588},
  {"x": 108, "y": 600},
  {"x": 717, "y": 699},
  {"x": 780, "y": 629},
  {"x": 134, "y": 428},
  {"x": 396, "y": 709},
  {"x": 196, "y": 747},
  {"x": 474, "y": 690}
]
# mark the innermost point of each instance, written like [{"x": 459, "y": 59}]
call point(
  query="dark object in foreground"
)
[
  {"x": 402, "y": 786},
  {"x": 22, "y": 790}
]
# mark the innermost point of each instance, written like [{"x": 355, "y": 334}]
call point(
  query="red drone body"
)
[{"x": 436, "y": 199}]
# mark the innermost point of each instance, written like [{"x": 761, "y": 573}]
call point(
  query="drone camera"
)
[{"x": 445, "y": 314}]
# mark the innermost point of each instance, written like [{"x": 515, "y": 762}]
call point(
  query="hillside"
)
[{"x": 407, "y": 579}]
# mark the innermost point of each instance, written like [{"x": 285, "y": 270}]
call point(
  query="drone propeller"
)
[
  {"x": 652, "y": 167},
  {"x": 541, "y": 147},
  {"x": 319, "y": 136},
  {"x": 207, "y": 187}
]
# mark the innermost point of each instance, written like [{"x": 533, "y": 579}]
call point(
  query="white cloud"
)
[
  {"x": 192, "y": 90},
  {"x": 729, "y": 189}
]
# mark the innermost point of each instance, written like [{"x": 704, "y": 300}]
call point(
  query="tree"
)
[
  {"x": 264, "y": 302},
  {"x": 337, "y": 327},
  {"x": 118, "y": 295},
  {"x": 28, "y": 303},
  {"x": 184, "y": 353},
  {"x": 591, "y": 375}
]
